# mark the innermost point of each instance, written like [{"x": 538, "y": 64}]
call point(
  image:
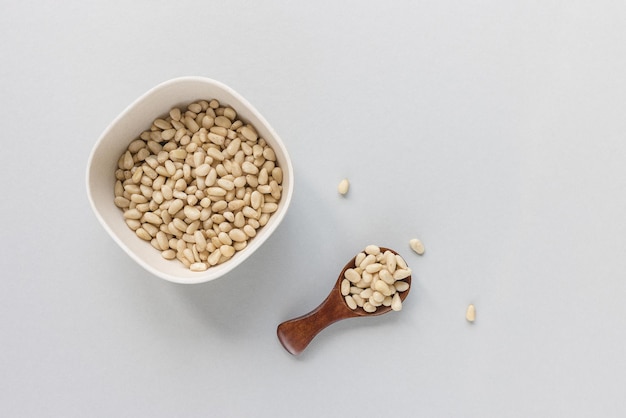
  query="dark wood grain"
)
[{"x": 296, "y": 334}]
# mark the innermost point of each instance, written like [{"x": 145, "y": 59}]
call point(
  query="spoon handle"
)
[{"x": 296, "y": 334}]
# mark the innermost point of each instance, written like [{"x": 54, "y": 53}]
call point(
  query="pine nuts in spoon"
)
[{"x": 380, "y": 266}]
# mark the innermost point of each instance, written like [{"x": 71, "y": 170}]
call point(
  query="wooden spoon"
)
[{"x": 296, "y": 334}]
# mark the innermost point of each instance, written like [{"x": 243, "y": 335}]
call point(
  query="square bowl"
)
[{"x": 138, "y": 117}]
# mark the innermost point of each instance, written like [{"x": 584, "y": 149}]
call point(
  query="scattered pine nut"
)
[
  {"x": 417, "y": 246},
  {"x": 470, "y": 314},
  {"x": 343, "y": 187}
]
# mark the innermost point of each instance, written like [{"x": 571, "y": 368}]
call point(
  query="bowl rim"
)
[{"x": 208, "y": 275}]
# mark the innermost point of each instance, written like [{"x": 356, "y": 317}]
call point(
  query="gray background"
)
[{"x": 493, "y": 131}]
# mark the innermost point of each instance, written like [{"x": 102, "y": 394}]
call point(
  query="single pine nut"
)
[
  {"x": 352, "y": 275},
  {"x": 168, "y": 254},
  {"x": 372, "y": 249},
  {"x": 386, "y": 276},
  {"x": 269, "y": 208},
  {"x": 230, "y": 113},
  {"x": 396, "y": 302},
  {"x": 366, "y": 293},
  {"x": 378, "y": 297},
  {"x": 390, "y": 261},
  {"x": 227, "y": 250},
  {"x": 369, "y": 308},
  {"x": 249, "y": 134},
  {"x": 214, "y": 257},
  {"x": 237, "y": 235},
  {"x": 470, "y": 313},
  {"x": 369, "y": 259},
  {"x": 402, "y": 274},
  {"x": 143, "y": 234},
  {"x": 121, "y": 202},
  {"x": 215, "y": 154},
  {"x": 191, "y": 212},
  {"x": 133, "y": 214},
  {"x": 249, "y": 231},
  {"x": 400, "y": 263},
  {"x": 350, "y": 302},
  {"x": 277, "y": 174},
  {"x": 249, "y": 168},
  {"x": 373, "y": 268},
  {"x": 202, "y": 170},
  {"x": 343, "y": 187},
  {"x": 345, "y": 287},
  {"x": 382, "y": 287},
  {"x": 401, "y": 286},
  {"x": 417, "y": 246},
  {"x": 198, "y": 267},
  {"x": 152, "y": 218}
]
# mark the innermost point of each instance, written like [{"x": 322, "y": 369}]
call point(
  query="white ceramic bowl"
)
[{"x": 127, "y": 126}]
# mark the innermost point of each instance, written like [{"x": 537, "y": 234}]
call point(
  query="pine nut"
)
[
  {"x": 202, "y": 170},
  {"x": 152, "y": 218},
  {"x": 402, "y": 274},
  {"x": 417, "y": 246},
  {"x": 345, "y": 287},
  {"x": 369, "y": 308},
  {"x": 223, "y": 121},
  {"x": 386, "y": 276},
  {"x": 269, "y": 208},
  {"x": 373, "y": 268},
  {"x": 378, "y": 297},
  {"x": 227, "y": 250},
  {"x": 249, "y": 168},
  {"x": 175, "y": 207},
  {"x": 401, "y": 286},
  {"x": 237, "y": 235},
  {"x": 249, "y": 133},
  {"x": 470, "y": 313},
  {"x": 343, "y": 187},
  {"x": 216, "y": 155},
  {"x": 168, "y": 254},
  {"x": 350, "y": 302},
  {"x": 369, "y": 259},
  {"x": 132, "y": 214},
  {"x": 352, "y": 276},
  {"x": 214, "y": 257},
  {"x": 198, "y": 267},
  {"x": 372, "y": 249},
  {"x": 121, "y": 202},
  {"x": 400, "y": 262},
  {"x": 390, "y": 261},
  {"x": 249, "y": 231},
  {"x": 396, "y": 302},
  {"x": 225, "y": 184},
  {"x": 382, "y": 287}
]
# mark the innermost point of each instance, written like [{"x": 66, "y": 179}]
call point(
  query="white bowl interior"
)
[{"x": 127, "y": 126}]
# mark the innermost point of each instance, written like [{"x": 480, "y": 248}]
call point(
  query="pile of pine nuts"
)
[
  {"x": 198, "y": 184},
  {"x": 376, "y": 279}
]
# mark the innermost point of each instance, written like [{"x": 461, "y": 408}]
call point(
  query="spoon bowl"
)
[{"x": 296, "y": 334}]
